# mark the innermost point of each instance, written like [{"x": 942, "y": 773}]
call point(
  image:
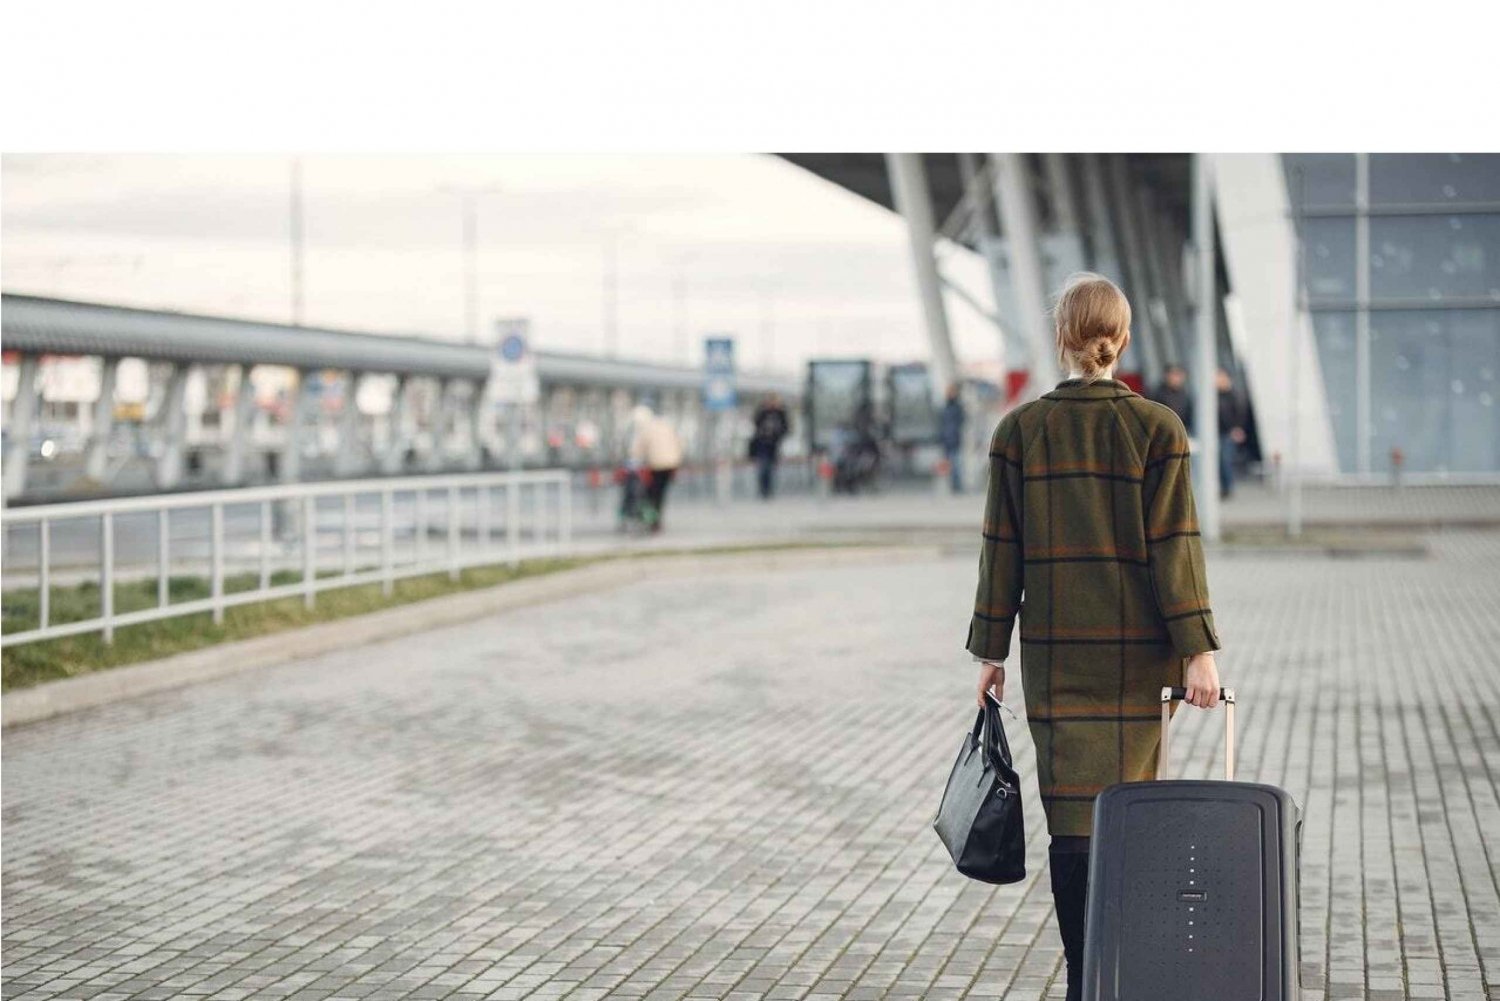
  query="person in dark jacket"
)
[
  {"x": 951, "y": 436},
  {"x": 1090, "y": 518},
  {"x": 1172, "y": 393},
  {"x": 771, "y": 426},
  {"x": 1233, "y": 416}
]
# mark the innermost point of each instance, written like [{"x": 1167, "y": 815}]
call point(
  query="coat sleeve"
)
[
  {"x": 1174, "y": 548},
  {"x": 998, "y": 597}
]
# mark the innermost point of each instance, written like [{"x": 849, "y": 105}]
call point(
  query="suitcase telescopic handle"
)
[{"x": 1170, "y": 695}]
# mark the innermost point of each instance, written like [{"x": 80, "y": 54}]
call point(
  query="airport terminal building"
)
[{"x": 1370, "y": 345}]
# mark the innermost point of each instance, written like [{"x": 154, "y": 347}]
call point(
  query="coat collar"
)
[{"x": 1100, "y": 389}]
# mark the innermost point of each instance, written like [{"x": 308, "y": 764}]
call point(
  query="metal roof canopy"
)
[
  {"x": 57, "y": 326},
  {"x": 38, "y": 325},
  {"x": 1167, "y": 174}
]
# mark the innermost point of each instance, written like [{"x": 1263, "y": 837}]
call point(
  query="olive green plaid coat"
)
[{"x": 1091, "y": 540}]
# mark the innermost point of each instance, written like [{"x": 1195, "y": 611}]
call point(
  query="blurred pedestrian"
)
[
  {"x": 656, "y": 448},
  {"x": 1233, "y": 416},
  {"x": 771, "y": 426},
  {"x": 1172, "y": 393},
  {"x": 951, "y": 436},
  {"x": 1090, "y": 518}
]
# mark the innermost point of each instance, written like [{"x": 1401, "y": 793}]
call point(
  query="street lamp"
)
[
  {"x": 469, "y": 206},
  {"x": 612, "y": 236}
]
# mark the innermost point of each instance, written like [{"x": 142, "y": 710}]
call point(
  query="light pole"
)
[
  {"x": 295, "y": 233},
  {"x": 469, "y": 209},
  {"x": 612, "y": 236}
]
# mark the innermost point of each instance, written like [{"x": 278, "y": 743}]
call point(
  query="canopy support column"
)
[
  {"x": 96, "y": 463},
  {"x": 909, "y": 187}
]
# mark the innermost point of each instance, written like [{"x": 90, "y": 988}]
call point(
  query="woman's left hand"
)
[{"x": 991, "y": 679}]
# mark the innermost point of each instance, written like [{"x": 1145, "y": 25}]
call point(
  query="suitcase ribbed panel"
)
[
  {"x": 1192, "y": 893},
  {"x": 1195, "y": 868}
]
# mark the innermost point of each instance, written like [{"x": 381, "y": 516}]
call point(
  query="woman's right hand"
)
[{"x": 1202, "y": 681}]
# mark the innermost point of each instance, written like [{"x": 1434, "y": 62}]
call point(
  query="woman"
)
[
  {"x": 654, "y": 445},
  {"x": 1090, "y": 519}
]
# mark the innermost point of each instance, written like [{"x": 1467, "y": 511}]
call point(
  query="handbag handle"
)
[{"x": 989, "y": 731}]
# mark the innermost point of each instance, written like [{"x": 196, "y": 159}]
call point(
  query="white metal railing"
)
[{"x": 448, "y": 522}]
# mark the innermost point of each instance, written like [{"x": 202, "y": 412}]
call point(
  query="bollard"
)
[
  {"x": 825, "y": 478},
  {"x": 1398, "y": 458},
  {"x": 1278, "y": 483},
  {"x": 940, "y": 470}
]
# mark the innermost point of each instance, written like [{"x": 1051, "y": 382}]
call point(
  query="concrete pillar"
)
[
  {"x": 1171, "y": 339},
  {"x": 392, "y": 459},
  {"x": 1018, "y": 219},
  {"x": 475, "y": 418},
  {"x": 441, "y": 419},
  {"x": 1012, "y": 351},
  {"x": 1060, "y": 188},
  {"x": 909, "y": 187},
  {"x": 1104, "y": 257},
  {"x": 96, "y": 462},
  {"x": 291, "y": 446},
  {"x": 1144, "y": 333},
  {"x": 238, "y": 445},
  {"x": 22, "y": 416},
  {"x": 350, "y": 459},
  {"x": 1206, "y": 394},
  {"x": 171, "y": 427}
]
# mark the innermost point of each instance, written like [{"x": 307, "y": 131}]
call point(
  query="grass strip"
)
[{"x": 70, "y": 656}]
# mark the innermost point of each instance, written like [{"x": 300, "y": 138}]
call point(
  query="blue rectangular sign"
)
[{"x": 718, "y": 373}]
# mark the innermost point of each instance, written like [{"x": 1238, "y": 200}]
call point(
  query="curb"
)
[{"x": 55, "y": 698}]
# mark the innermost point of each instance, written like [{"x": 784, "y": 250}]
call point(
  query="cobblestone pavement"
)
[{"x": 714, "y": 788}]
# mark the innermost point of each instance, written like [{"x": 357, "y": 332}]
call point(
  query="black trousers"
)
[
  {"x": 656, "y": 492},
  {"x": 1068, "y": 858}
]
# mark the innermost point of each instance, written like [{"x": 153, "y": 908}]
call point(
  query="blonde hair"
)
[{"x": 1092, "y": 320}]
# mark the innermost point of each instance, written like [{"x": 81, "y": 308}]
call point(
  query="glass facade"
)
[{"x": 1429, "y": 326}]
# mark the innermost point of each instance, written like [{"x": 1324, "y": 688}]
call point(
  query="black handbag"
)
[{"x": 979, "y": 819}]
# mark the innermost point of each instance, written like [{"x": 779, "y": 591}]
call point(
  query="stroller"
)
[
  {"x": 856, "y": 462},
  {"x": 637, "y": 514}
]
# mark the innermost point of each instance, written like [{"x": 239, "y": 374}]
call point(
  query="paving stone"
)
[{"x": 721, "y": 787}]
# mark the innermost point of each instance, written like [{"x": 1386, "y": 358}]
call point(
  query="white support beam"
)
[
  {"x": 476, "y": 418},
  {"x": 239, "y": 436},
  {"x": 442, "y": 419},
  {"x": 171, "y": 426},
  {"x": 1105, "y": 256},
  {"x": 96, "y": 462},
  {"x": 1060, "y": 191},
  {"x": 1260, "y": 256},
  {"x": 350, "y": 460},
  {"x": 913, "y": 201},
  {"x": 980, "y": 192},
  {"x": 1018, "y": 220},
  {"x": 1206, "y": 394},
  {"x": 394, "y": 455},
  {"x": 291, "y": 446},
  {"x": 22, "y": 416},
  {"x": 1145, "y": 334}
]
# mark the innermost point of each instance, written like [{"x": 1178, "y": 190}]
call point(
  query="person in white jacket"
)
[{"x": 654, "y": 446}]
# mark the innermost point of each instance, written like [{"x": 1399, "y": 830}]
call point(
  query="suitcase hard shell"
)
[{"x": 1192, "y": 890}]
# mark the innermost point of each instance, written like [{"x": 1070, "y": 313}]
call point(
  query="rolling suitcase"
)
[{"x": 1192, "y": 892}]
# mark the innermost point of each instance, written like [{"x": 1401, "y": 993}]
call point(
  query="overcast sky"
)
[{"x": 747, "y": 245}]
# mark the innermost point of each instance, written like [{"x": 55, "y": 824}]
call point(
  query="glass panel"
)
[
  {"x": 1330, "y": 258},
  {"x": 1398, "y": 178},
  {"x": 1433, "y": 389},
  {"x": 1327, "y": 178},
  {"x": 1334, "y": 333},
  {"x": 1435, "y": 257}
]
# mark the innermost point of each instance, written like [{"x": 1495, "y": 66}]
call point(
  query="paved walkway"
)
[{"x": 715, "y": 788}]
